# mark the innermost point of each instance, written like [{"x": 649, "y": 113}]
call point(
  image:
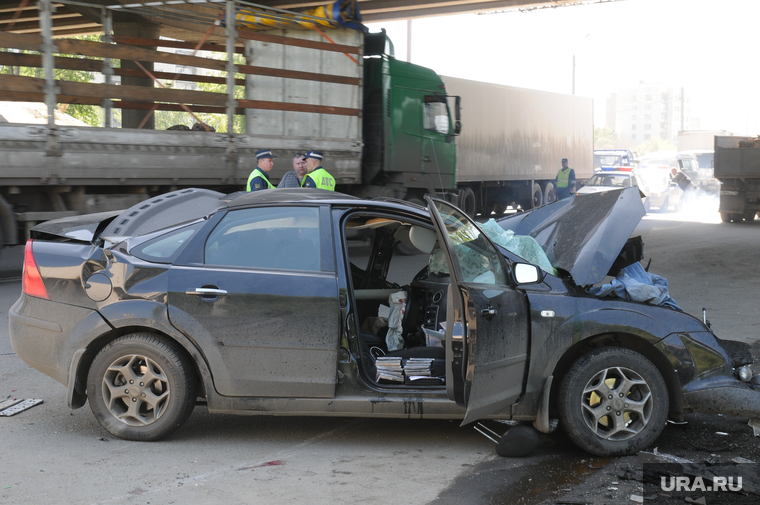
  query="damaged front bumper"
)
[
  {"x": 737, "y": 399},
  {"x": 737, "y": 394}
]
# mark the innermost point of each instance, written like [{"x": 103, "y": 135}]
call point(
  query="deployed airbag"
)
[{"x": 524, "y": 246}]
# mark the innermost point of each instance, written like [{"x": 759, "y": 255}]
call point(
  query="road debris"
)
[
  {"x": 12, "y": 407},
  {"x": 755, "y": 424},
  {"x": 699, "y": 501}
]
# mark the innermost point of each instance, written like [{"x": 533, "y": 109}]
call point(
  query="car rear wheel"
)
[
  {"x": 141, "y": 387},
  {"x": 613, "y": 402}
]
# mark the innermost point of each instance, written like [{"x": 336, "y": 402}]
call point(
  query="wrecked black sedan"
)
[{"x": 314, "y": 303}]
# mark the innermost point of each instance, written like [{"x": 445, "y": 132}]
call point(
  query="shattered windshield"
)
[
  {"x": 477, "y": 259},
  {"x": 471, "y": 258},
  {"x": 523, "y": 246}
]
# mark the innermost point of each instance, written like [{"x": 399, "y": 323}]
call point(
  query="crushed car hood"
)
[{"x": 582, "y": 235}]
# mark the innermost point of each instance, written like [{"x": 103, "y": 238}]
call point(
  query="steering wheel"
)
[{"x": 422, "y": 274}]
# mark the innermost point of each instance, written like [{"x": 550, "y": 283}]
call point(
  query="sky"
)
[{"x": 708, "y": 47}]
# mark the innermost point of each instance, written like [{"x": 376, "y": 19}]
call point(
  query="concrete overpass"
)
[{"x": 77, "y": 18}]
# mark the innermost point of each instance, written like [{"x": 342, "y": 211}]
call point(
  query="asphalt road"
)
[{"x": 51, "y": 454}]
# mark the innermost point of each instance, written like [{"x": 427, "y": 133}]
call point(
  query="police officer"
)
[
  {"x": 258, "y": 178},
  {"x": 316, "y": 176},
  {"x": 564, "y": 183}
]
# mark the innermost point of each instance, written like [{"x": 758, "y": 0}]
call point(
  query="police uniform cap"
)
[
  {"x": 264, "y": 153},
  {"x": 314, "y": 154}
]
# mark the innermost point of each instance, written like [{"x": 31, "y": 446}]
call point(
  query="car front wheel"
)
[
  {"x": 141, "y": 387},
  {"x": 613, "y": 402}
]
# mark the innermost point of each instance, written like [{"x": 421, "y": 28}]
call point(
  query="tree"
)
[
  {"x": 605, "y": 138},
  {"x": 90, "y": 114},
  {"x": 165, "y": 119}
]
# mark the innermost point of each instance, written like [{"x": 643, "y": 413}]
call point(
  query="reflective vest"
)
[
  {"x": 563, "y": 178},
  {"x": 321, "y": 178},
  {"x": 257, "y": 172}
]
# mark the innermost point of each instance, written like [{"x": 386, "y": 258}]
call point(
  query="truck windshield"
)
[
  {"x": 609, "y": 160},
  {"x": 706, "y": 160}
]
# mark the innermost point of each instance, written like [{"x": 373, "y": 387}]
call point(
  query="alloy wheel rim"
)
[
  {"x": 135, "y": 390},
  {"x": 617, "y": 404}
]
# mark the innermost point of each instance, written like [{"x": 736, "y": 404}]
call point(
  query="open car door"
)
[{"x": 491, "y": 357}]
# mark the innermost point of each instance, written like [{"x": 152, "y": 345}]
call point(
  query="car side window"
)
[
  {"x": 166, "y": 248},
  {"x": 273, "y": 237}
]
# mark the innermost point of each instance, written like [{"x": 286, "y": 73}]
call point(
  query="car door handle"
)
[
  {"x": 488, "y": 312},
  {"x": 207, "y": 292}
]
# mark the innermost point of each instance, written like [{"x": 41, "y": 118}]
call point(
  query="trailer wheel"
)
[
  {"x": 550, "y": 195},
  {"x": 749, "y": 216},
  {"x": 467, "y": 201},
  {"x": 538, "y": 196}
]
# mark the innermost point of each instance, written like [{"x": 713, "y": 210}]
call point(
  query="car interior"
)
[{"x": 384, "y": 253}]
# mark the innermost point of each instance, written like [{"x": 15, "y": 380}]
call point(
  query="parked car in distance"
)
[
  {"x": 704, "y": 180},
  {"x": 613, "y": 179},
  {"x": 257, "y": 303},
  {"x": 614, "y": 159}
]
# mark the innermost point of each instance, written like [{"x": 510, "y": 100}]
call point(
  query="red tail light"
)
[{"x": 31, "y": 282}]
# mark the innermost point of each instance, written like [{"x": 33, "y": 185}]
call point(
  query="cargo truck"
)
[
  {"x": 513, "y": 141},
  {"x": 737, "y": 167},
  {"x": 387, "y": 128}
]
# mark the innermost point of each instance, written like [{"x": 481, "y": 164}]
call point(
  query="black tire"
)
[
  {"x": 613, "y": 402},
  {"x": 467, "y": 201},
  {"x": 141, "y": 387},
  {"x": 537, "y": 200},
  {"x": 725, "y": 217},
  {"x": 749, "y": 216}
]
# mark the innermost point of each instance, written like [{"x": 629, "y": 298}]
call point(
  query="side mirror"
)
[
  {"x": 526, "y": 273},
  {"x": 457, "y": 115}
]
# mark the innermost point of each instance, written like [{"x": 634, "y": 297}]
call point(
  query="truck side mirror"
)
[{"x": 457, "y": 116}]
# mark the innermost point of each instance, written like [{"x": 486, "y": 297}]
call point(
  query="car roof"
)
[
  {"x": 615, "y": 172},
  {"x": 289, "y": 195}
]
